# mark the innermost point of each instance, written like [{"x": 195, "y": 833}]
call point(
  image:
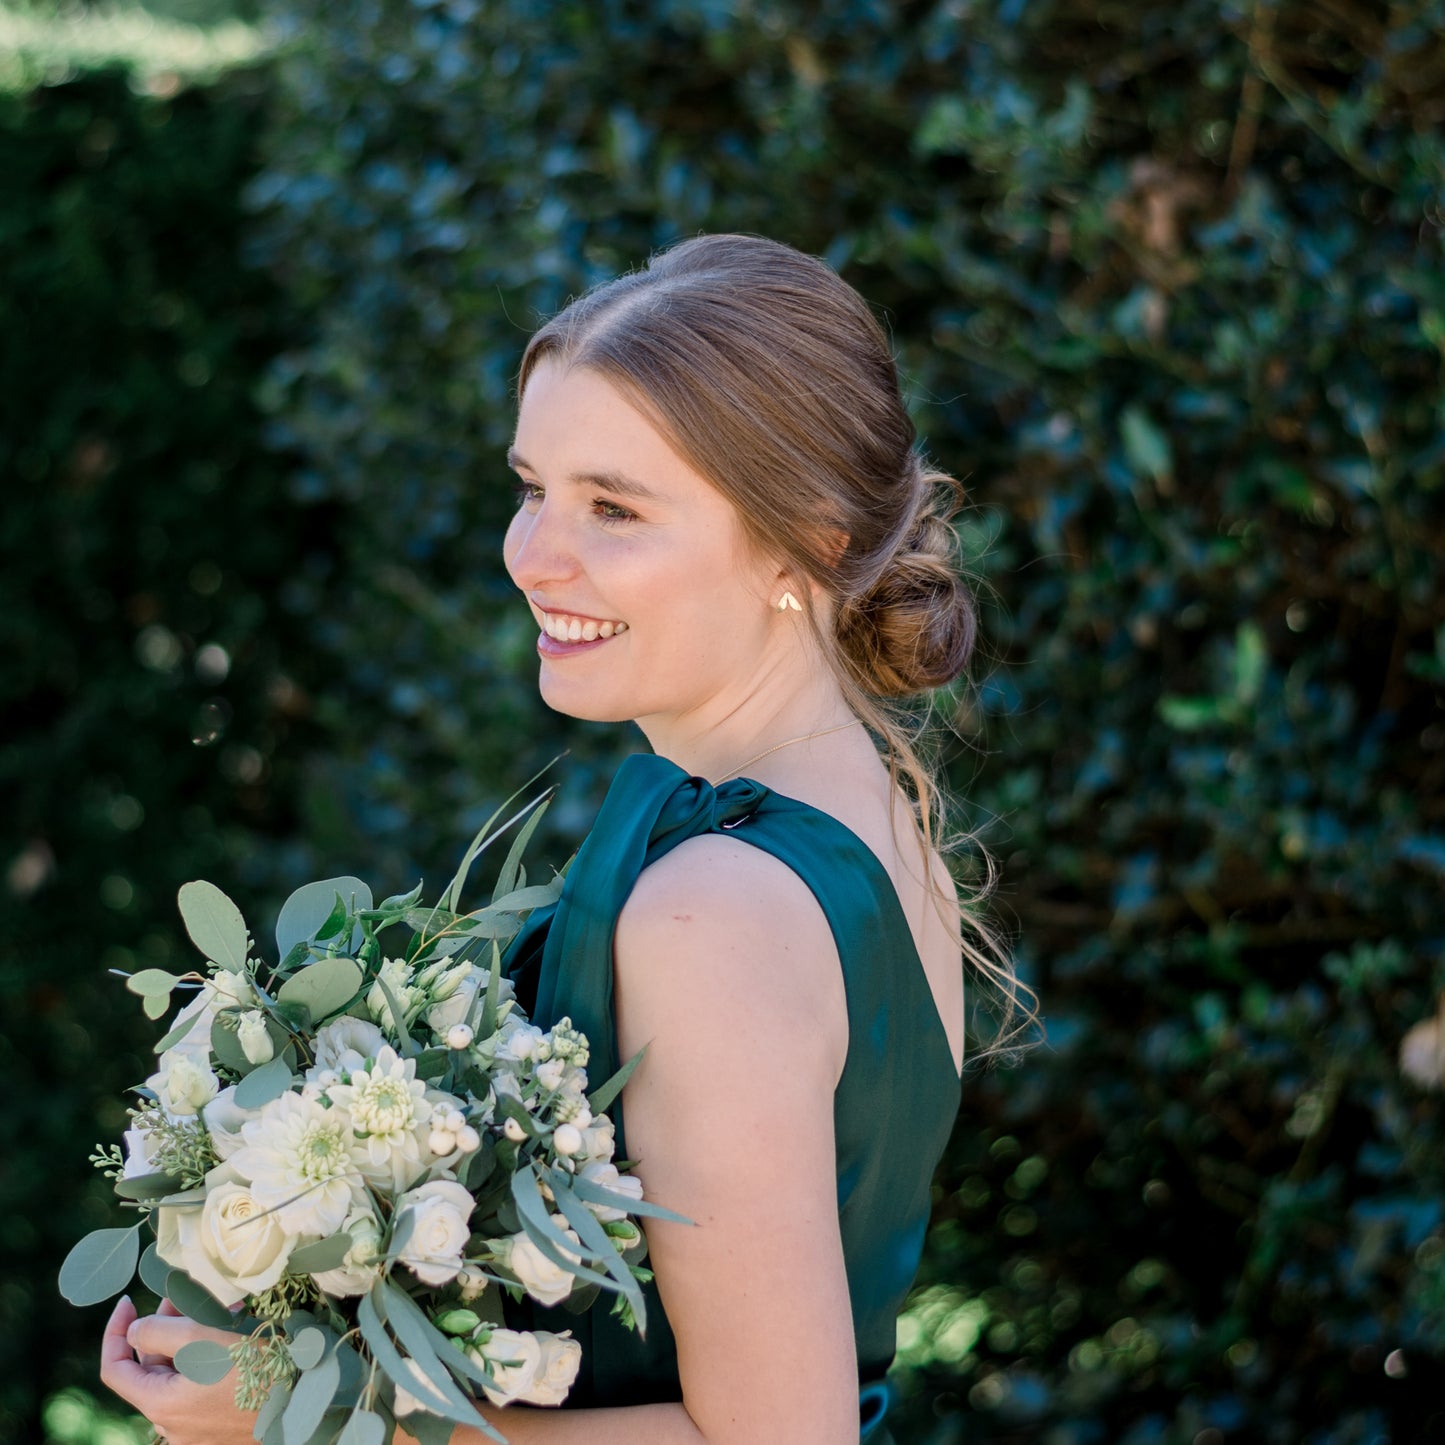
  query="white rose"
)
[
  {"x": 223, "y": 1121},
  {"x": 230, "y": 1245},
  {"x": 556, "y": 1370},
  {"x": 139, "y": 1154},
  {"x": 357, "y": 1273},
  {"x": 439, "y": 1212},
  {"x": 605, "y": 1176},
  {"x": 513, "y": 1358},
  {"x": 345, "y": 1044},
  {"x": 184, "y": 1082},
  {"x": 546, "y": 1282},
  {"x": 255, "y": 1041}
]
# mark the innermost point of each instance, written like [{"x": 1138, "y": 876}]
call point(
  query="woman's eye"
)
[
  {"x": 611, "y": 512},
  {"x": 527, "y": 492}
]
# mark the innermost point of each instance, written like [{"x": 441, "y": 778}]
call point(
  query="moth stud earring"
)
[{"x": 788, "y": 602}]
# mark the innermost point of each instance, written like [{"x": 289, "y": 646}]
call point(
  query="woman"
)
[{"x": 725, "y": 534}]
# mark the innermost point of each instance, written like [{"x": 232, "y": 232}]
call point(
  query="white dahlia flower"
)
[{"x": 298, "y": 1156}]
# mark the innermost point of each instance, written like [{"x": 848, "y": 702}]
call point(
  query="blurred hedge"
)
[{"x": 1168, "y": 285}]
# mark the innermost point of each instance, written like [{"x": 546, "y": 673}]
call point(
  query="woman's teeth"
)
[{"x": 575, "y": 629}]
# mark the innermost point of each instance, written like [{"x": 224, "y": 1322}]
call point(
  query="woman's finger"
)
[
  {"x": 164, "y": 1334},
  {"x": 119, "y": 1368}
]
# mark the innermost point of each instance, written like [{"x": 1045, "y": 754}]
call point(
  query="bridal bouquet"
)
[{"x": 347, "y": 1156}]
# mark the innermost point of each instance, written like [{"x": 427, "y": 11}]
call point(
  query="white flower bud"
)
[
  {"x": 255, "y": 1042},
  {"x": 460, "y": 1036},
  {"x": 567, "y": 1139},
  {"x": 551, "y": 1073},
  {"x": 468, "y": 1140},
  {"x": 455, "y": 1121},
  {"x": 514, "y": 1131},
  {"x": 441, "y": 1141}
]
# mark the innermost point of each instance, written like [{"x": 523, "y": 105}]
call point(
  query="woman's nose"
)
[{"x": 537, "y": 549}]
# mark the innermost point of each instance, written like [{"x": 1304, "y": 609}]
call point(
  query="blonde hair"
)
[{"x": 770, "y": 374}]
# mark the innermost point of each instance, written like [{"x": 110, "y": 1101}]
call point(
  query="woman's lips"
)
[{"x": 550, "y": 647}]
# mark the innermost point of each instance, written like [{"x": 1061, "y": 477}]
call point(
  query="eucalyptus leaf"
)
[
  {"x": 363, "y": 1428},
  {"x": 600, "y": 1099},
  {"x": 322, "y": 988},
  {"x": 153, "y": 1271},
  {"x": 311, "y": 1397},
  {"x": 428, "y": 1430},
  {"x": 152, "y": 981},
  {"x": 154, "y": 1005},
  {"x": 100, "y": 1265},
  {"x": 271, "y": 1412},
  {"x": 308, "y": 908},
  {"x": 389, "y": 1358},
  {"x": 418, "y": 1334},
  {"x": 204, "y": 1361},
  {"x": 332, "y": 926},
  {"x": 147, "y": 1186},
  {"x": 174, "y": 1036},
  {"x": 511, "y": 868},
  {"x": 197, "y": 1302},
  {"x": 307, "y": 1349},
  {"x": 268, "y": 1082},
  {"x": 596, "y": 1194},
  {"x": 398, "y": 1017},
  {"x": 323, "y": 1254},
  {"x": 214, "y": 924},
  {"x": 226, "y": 1046},
  {"x": 536, "y": 1220}
]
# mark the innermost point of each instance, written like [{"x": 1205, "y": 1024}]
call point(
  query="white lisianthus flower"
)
[
  {"x": 454, "y": 1004},
  {"x": 605, "y": 1176},
  {"x": 345, "y": 1045},
  {"x": 358, "y": 1272},
  {"x": 396, "y": 973},
  {"x": 225, "y": 989},
  {"x": 298, "y": 1157},
  {"x": 552, "y": 1074},
  {"x": 599, "y": 1141},
  {"x": 390, "y": 1120},
  {"x": 230, "y": 1244},
  {"x": 546, "y": 1282},
  {"x": 223, "y": 1121},
  {"x": 556, "y": 1370},
  {"x": 513, "y": 1358},
  {"x": 184, "y": 1081},
  {"x": 255, "y": 1041},
  {"x": 439, "y": 1212}
]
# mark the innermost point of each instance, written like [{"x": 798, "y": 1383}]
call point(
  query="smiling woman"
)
[{"x": 726, "y": 534}]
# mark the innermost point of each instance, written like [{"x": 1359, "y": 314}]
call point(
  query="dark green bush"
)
[
  {"x": 153, "y": 686},
  {"x": 1168, "y": 286}
]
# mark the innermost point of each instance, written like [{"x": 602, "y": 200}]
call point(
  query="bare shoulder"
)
[{"x": 731, "y": 935}]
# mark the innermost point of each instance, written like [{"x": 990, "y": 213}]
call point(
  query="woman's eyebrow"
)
[{"x": 609, "y": 481}]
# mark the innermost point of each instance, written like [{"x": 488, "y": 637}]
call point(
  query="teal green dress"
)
[{"x": 894, "y": 1104}]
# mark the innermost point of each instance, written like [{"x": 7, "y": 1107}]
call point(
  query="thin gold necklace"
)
[{"x": 801, "y": 738}]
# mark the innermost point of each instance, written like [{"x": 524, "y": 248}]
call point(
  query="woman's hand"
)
[{"x": 135, "y": 1362}]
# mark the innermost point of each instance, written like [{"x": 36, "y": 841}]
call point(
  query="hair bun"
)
[{"x": 914, "y": 628}]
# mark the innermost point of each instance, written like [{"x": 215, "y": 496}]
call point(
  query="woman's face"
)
[{"x": 649, "y": 602}]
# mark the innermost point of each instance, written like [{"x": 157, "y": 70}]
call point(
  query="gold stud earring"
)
[{"x": 788, "y": 601}]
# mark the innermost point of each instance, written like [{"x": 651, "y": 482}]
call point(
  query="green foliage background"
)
[{"x": 1167, "y": 284}]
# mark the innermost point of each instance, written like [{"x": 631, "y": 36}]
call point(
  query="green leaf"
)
[
  {"x": 600, "y": 1099},
  {"x": 433, "y": 1063},
  {"x": 196, "y": 1301},
  {"x": 152, "y": 982},
  {"x": 311, "y": 1397},
  {"x": 323, "y": 1254},
  {"x": 487, "y": 1025},
  {"x": 596, "y": 1194},
  {"x": 536, "y": 1220},
  {"x": 388, "y": 1357},
  {"x": 508, "y": 877},
  {"x": 363, "y": 1428},
  {"x": 271, "y": 1412},
  {"x": 332, "y": 926},
  {"x": 214, "y": 924},
  {"x": 226, "y": 1046},
  {"x": 204, "y": 1361},
  {"x": 268, "y": 1082},
  {"x": 306, "y": 911},
  {"x": 591, "y": 1233},
  {"x": 307, "y": 1348},
  {"x": 398, "y": 1017},
  {"x": 174, "y": 1036},
  {"x": 154, "y": 1005},
  {"x": 1145, "y": 445},
  {"x": 153, "y": 1271},
  {"x": 147, "y": 1186},
  {"x": 323, "y": 988},
  {"x": 100, "y": 1266},
  {"x": 428, "y": 1430}
]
